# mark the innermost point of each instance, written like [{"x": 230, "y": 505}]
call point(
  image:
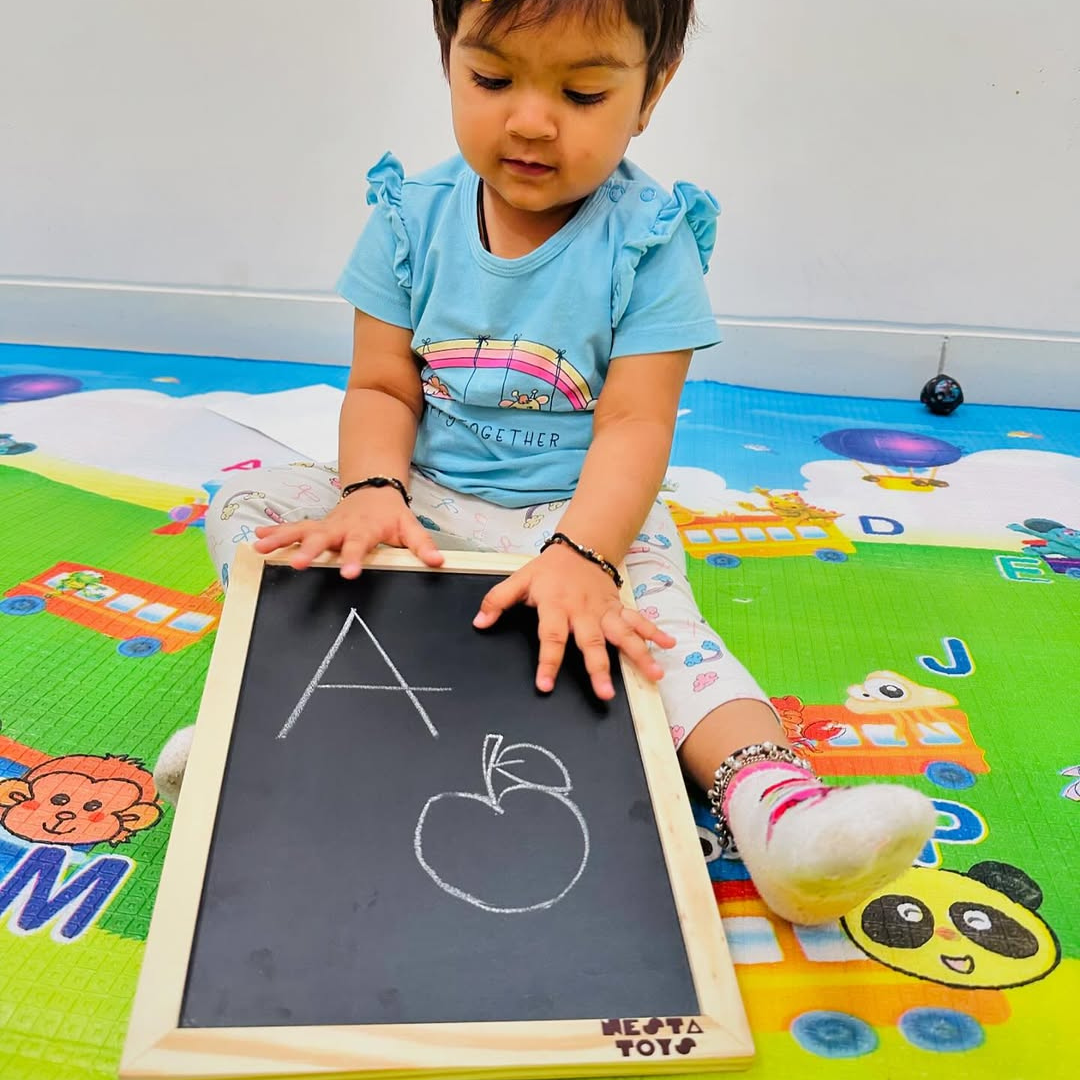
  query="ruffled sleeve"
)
[
  {"x": 378, "y": 276},
  {"x": 385, "y": 179},
  {"x": 659, "y": 302},
  {"x": 688, "y": 203}
]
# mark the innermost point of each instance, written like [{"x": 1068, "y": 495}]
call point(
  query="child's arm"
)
[
  {"x": 624, "y": 467},
  {"x": 377, "y": 431}
]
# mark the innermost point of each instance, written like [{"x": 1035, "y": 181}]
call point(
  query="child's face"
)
[{"x": 544, "y": 114}]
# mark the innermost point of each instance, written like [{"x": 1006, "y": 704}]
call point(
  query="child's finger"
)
[
  {"x": 277, "y": 536},
  {"x": 354, "y": 551},
  {"x": 553, "y": 630},
  {"x": 590, "y": 639},
  {"x": 498, "y": 599},
  {"x": 632, "y": 645},
  {"x": 317, "y": 541},
  {"x": 418, "y": 541},
  {"x": 647, "y": 629}
]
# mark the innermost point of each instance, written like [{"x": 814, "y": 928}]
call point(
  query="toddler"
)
[{"x": 525, "y": 314}]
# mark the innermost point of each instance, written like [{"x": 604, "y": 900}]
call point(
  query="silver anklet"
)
[{"x": 748, "y": 755}]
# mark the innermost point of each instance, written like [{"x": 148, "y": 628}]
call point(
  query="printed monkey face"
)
[
  {"x": 957, "y": 930},
  {"x": 70, "y": 808}
]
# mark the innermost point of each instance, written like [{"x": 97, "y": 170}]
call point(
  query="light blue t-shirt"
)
[{"x": 513, "y": 352}]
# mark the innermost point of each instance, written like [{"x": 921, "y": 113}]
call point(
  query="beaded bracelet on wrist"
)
[
  {"x": 378, "y": 482},
  {"x": 585, "y": 553}
]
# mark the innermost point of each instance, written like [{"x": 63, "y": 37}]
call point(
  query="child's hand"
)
[
  {"x": 354, "y": 527},
  {"x": 571, "y": 594}
]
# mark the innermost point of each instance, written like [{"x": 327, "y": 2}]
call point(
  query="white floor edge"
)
[{"x": 848, "y": 359}]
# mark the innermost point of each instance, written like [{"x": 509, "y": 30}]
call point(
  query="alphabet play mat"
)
[{"x": 906, "y": 587}]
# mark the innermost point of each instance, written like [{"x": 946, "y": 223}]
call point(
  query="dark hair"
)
[{"x": 664, "y": 23}]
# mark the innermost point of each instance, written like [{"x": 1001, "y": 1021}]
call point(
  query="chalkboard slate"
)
[
  {"x": 392, "y": 854},
  {"x": 316, "y": 907}
]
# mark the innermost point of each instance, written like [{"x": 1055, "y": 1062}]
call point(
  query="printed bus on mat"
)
[{"x": 144, "y": 616}]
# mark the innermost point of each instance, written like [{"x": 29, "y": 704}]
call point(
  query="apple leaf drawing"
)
[{"x": 525, "y": 764}]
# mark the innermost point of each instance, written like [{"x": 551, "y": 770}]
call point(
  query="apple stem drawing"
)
[
  {"x": 497, "y": 759},
  {"x": 402, "y": 685}
]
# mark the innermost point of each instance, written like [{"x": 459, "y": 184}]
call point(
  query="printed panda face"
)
[{"x": 956, "y": 929}]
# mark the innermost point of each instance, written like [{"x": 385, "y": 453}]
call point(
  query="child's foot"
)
[
  {"x": 814, "y": 851},
  {"x": 169, "y": 770}
]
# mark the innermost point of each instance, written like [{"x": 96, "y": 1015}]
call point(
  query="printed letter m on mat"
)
[{"x": 31, "y": 890}]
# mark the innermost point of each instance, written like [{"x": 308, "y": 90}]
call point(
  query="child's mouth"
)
[{"x": 527, "y": 168}]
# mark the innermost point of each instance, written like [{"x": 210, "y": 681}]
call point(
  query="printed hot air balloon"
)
[
  {"x": 33, "y": 387},
  {"x": 906, "y": 461}
]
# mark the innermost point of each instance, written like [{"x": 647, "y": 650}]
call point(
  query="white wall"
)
[
  {"x": 910, "y": 161},
  {"x": 192, "y": 174}
]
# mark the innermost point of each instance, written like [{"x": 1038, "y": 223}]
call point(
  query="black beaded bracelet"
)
[
  {"x": 585, "y": 553},
  {"x": 378, "y": 482}
]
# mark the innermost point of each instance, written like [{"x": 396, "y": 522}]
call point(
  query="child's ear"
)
[{"x": 655, "y": 94}]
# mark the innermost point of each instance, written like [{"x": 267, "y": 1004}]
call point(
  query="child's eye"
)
[
  {"x": 486, "y": 83},
  {"x": 584, "y": 99}
]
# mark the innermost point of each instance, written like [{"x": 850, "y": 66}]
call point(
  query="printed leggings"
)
[{"x": 700, "y": 674}]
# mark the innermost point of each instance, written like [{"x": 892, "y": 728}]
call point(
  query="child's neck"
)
[{"x": 514, "y": 233}]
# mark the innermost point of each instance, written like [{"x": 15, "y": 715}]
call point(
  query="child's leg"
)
[
  {"x": 454, "y": 520},
  {"x": 261, "y": 497},
  {"x": 813, "y": 851},
  {"x": 288, "y": 493},
  {"x": 270, "y": 496},
  {"x": 295, "y": 492}
]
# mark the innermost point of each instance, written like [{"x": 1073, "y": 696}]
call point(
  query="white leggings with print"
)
[{"x": 699, "y": 672}]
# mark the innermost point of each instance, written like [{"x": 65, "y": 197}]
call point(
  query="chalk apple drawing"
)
[{"x": 497, "y": 759}]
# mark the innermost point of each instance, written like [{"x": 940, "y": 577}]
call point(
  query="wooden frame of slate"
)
[{"x": 166, "y": 1037}]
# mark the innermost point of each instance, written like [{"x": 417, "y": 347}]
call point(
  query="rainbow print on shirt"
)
[{"x": 531, "y": 361}]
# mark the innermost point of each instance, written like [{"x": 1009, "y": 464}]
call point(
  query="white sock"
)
[
  {"x": 171, "y": 763},
  {"x": 814, "y": 851}
]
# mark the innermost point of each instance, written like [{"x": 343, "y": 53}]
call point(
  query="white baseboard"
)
[
  {"x": 857, "y": 360},
  {"x": 304, "y": 328},
  {"x": 848, "y": 359}
]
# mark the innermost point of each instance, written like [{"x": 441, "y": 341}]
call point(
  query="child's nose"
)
[{"x": 531, "y": 118}]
